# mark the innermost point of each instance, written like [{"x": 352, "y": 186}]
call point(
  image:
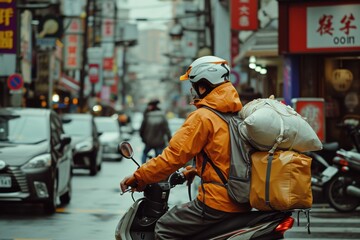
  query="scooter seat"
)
[
  {"x": 331, "y": 146},
  {"x": 238, "y": 221}
]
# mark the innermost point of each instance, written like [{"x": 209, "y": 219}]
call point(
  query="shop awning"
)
[
  {"x": 263, "y": 42},
  {"x": 69, "y": 84}
]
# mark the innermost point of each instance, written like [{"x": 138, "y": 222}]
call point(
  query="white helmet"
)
[{"x": 214, "y": 69}]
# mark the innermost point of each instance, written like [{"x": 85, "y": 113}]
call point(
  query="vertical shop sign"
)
[
  {"x": 333, "y": 26},
  {"x": 313, "y": 109},
  {"x": 8, "y": 24},
  {"x": 73, "y": 44},
  {"x": 244, "y": 14},
  {"x": 72, "y": 53},
  {"x": 94, "y": 70}
]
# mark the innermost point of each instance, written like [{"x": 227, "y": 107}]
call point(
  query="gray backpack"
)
[{"x": 238, "y": 184}]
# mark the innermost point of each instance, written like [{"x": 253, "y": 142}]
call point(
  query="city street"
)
[{"x": 97, "y": 206}]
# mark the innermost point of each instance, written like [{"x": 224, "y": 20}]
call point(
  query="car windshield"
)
[
  {"x": 78, "y": 127},
  {"x": 106, "y": 125},
  {"x": 23, "y": 129}
]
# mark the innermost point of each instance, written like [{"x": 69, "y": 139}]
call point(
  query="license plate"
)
[
  {"x": 329, "y": 172},
  {"x": 5, "y": 182}
]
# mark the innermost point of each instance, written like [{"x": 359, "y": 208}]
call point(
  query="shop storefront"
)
[{"x": 320, "y": 43}]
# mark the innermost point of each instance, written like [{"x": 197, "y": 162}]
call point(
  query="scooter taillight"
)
[
  {"x": 285, "y": 225},
  {"x": 343, "y": 162}
]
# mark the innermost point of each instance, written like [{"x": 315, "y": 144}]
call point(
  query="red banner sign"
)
[
  {"x": 244, "y": 14},
  {"x": 313, "y": 109},
  {"x": 94, "y": 72},
  {"x": 324, "y": 27}
]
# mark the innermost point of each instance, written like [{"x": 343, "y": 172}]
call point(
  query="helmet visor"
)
[{"x": 186, "y": 75}]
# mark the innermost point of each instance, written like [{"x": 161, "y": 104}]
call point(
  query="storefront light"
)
[
  {"x": 252, "y": 59},
  {"x": 252, "y": 65},
  {"x": 257, "y": 68},
  {"x": 55, "y": 98},
  {"x": 263, "y": 71}
]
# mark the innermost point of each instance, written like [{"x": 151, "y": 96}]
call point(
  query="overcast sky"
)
[{"x": 157, "y": 12}]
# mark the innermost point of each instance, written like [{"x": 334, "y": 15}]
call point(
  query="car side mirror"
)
[{"x": 65, "y": 139}]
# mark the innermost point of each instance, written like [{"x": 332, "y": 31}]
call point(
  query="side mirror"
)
[
  {"x": 126, "y": 150},
  {"x": 65, "y": 139}
]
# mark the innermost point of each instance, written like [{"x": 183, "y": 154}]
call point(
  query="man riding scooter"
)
[{"x": 202, "y": 131}]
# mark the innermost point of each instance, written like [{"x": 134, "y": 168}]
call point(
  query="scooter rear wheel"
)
[{"x": 337, "y": 196}]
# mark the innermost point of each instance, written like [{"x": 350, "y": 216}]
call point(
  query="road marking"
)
[{"x": 28, "y": 239}]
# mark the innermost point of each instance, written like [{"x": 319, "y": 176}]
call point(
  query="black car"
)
[
  {"x": 35, "y": 157},
  {"x": 87, "y": 151}
]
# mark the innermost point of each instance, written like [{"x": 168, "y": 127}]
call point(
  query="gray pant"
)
[{"x": 187, "y": 219}]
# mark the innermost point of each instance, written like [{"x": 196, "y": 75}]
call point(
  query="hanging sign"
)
[
  {"x": 244, "y": 14},
  {"x": 94, "y": 72}
]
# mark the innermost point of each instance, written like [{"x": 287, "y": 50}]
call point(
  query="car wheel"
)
[
  {"x": 51, "y": 202},
  {"x": 66, "y": 197}
]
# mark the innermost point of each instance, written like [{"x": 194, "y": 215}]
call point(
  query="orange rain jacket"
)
[{"x": 202, "y": 129}]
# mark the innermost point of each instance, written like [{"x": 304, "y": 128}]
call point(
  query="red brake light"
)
[
  {"x": 343, "y": 162},
  {"x": 285, "y": 225}
]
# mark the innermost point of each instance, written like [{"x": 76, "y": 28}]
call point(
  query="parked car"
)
[
  {"x": 110, "y": 136},
  {"x": 86, "y": 147},
  {"x": 36, "y": 159}
]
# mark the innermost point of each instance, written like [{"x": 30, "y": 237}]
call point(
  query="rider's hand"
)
[
  {"x": 189, "y": 174},
  {"x": 129, "y": 181}
]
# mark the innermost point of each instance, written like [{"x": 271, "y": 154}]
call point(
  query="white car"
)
[{"x": 110, "y": 136}]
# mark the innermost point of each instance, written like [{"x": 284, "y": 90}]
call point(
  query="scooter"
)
[
  {"x": 322, "y": 161},
  {"x": 140, "y": 219},
  {"x": 343, "y": 190}
]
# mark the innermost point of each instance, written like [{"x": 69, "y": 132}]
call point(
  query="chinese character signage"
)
[
  {"x": 313, "y": 109},
  {"x": 333, "y": 26},
  {"x": 72, "y": 52},
  {"x": 324, "y": 27},
  {"x": 8, "y": 26},
  {"x": 244, "y": 14}
]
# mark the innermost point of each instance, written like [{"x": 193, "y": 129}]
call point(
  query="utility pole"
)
[{"x": 84, "y": 59}]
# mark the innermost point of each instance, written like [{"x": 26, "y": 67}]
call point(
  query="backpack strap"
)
[
  {"x": 205, "y": 156},
  {"x": 223, "y": 116},
  {"x": 217, "y": 170},
  {"x": 267, "y": 181}
]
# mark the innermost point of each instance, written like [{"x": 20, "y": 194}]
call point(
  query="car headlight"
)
[
  {"x": 41, "y": 161},
  {"x": 84, "y": 147}
]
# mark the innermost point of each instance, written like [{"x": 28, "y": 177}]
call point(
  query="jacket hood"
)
[{"x": 223, "y": 98}]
